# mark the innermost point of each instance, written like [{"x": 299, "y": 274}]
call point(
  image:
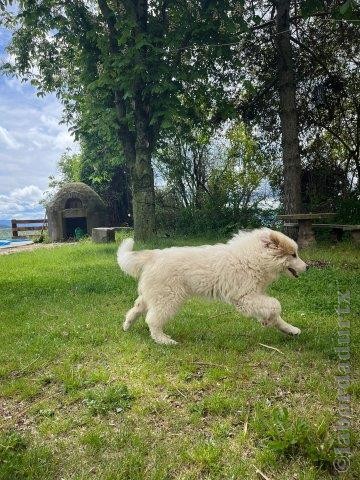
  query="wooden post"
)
[
  {"x": 13, "y": 228},
  {"x": 306, "y": 233},
  {"x": 355, "y": 235}
]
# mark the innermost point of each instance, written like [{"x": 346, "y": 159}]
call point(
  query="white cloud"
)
[
  {"x": 49, "y": 121},
  {"x": 21, "y": 202},
  {"x": 29, "y": 193},
  {"x": 7, "y": 139}
]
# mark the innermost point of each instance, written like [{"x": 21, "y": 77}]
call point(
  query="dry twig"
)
[{"x": 272, "y": 348}]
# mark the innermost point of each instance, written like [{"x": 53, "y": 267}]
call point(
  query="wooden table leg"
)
[
  {"x": 306, "y": 233},
  {"x": 336, "y": 234},
  {"x": 355, "y": 236}
]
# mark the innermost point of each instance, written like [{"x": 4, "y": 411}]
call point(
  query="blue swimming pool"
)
[{"x": 14, "y": 242}]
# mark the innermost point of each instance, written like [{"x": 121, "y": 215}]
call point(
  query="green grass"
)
[{"x": 81, "y": 399}]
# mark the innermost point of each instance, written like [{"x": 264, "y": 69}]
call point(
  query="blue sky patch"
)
[{"x": 31, "y": 143}]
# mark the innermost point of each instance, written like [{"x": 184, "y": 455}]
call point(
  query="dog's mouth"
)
[{"x": 293, "y": 272}]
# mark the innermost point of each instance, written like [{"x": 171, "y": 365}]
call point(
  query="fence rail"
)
[{"x": 43, "y": 225}]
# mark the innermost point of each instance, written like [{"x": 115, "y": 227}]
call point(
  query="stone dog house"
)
[{"x": 75, "y": 205}]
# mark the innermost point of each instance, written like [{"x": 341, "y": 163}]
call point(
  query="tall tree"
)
[
  {"x": 287, "y": 110},
  {"x": 304, "y": 67},
  {"x": 128, "y": 60}
]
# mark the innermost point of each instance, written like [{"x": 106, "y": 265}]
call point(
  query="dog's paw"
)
[
  {"x": 293, "y": 330},
  {"x": 126, "y": 326},
  {"x": 165, "y": 340}
]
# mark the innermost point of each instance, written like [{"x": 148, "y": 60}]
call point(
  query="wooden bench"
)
[
  {"x": 337, "y": 230},
  {"x": 42, "y": 225},
  {"x": 305, "y": 222}
]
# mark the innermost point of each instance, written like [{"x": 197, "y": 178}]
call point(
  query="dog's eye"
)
[{"x": 294, "y": 255}]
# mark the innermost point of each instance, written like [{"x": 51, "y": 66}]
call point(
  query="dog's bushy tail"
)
[{"x": 131, "y": 262}]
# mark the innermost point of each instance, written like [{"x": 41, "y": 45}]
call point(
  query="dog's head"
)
[{"x": 285, "y": 250}]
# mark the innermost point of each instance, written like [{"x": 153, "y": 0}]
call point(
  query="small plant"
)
[
  {"x": 115, "y": 398},
  {"x": 290, "y": 437},
  {"x": 46, "y": 412}
]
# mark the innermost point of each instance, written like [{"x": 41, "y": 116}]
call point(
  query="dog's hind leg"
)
[
  {"x": 156, "y": 319},
  {"x": 134, "y": 313}
]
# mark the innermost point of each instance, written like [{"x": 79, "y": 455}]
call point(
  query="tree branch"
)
[{"x": 309, "y": 50}]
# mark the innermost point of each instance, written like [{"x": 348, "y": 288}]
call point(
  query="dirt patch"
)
[
  {"x": 13, "y": 415},
  {"x": 318, "y": 263}
]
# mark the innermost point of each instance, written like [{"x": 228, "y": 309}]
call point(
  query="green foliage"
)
[
  {"x": 348, "y": 209},
  {"x": 309, "y": 7},
  {"x": 70, "y": 166},
  {"x": 115, "y": 398},
  {"x": 212, "y": 219},
  {"x": 124, "y": 71},
  {"x": 328, "y": 93},
  {"x": 212, "y": 184},
  {"x": 289, "y": 436},
  {"x": 324, "y": 186}
]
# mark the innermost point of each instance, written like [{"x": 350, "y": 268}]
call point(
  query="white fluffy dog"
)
[{"x": 237, "y": 272}]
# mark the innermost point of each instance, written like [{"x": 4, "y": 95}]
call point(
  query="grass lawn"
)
[{"x": 81, "y": 399}]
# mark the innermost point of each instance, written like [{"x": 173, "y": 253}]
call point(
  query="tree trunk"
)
[
  {"x": 137, "y": 147},
  {"x": 288, "y": 113},
  {"x": 118, "y": 198},
  {"x": 142, "y": 171},
  {"x": 143, "y": 191}
]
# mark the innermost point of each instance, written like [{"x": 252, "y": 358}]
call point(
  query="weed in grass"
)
[
  {"x": 19, "y": 461},
  {"x": 77, "y": 377},
  {"x": 55, "y": 426},
  {"x": 103, "y": 400},
  {"x": 21, "y": 388},
  {"x": 289, "y": 437},
  {"x": 46, "y": 412}
]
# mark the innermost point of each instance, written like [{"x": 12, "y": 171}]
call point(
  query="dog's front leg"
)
[
  {"x": 286, "y": 327},
  {"x": 267, "y": 310}
]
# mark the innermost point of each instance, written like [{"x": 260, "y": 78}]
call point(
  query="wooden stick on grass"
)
[
  {"x": 246, "y": 420},
  {"x": 272, "y": 348},
  {"x": 261, "y": 474}
]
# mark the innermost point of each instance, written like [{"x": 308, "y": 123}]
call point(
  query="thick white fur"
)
[{"x": 237, "y": 272}]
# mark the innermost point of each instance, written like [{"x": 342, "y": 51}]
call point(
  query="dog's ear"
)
[
  {"x": 276, "y": 239},
  {"x": 277, "y": 242},
  {"x": 269, "y": 238}
]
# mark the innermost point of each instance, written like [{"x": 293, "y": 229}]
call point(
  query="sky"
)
[{"x": 31, "y": 143}]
